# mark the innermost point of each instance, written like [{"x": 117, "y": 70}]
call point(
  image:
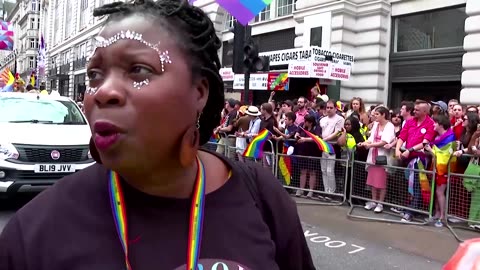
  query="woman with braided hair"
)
[{"x": 153, "y": 200}]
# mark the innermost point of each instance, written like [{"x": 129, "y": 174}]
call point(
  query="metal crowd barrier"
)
[
  {"x": 307, "y": 178},
  {"x": 397, "y": 196},
  {"x": 462, "y": 210},
  {"x": 462, "y": 202}
]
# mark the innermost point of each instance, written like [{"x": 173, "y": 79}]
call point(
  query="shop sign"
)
[
  {"x": 313, "y": 53},
  {"x": 278, "y": 81},
  {"x": 258, "y": 81},
  {"x": 227, "y": 74},
  {"x": 319, "y": 69},
  {"x": 300, "y": 69}
]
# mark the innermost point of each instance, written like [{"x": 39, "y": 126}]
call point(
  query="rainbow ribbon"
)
[
  {"x": 117, "y": 202},
  {"x": 323, "y": 145}
]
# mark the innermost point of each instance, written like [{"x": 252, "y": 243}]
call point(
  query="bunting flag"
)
[
  {"x": 41, "y": 58},
  {"x": 323, "y": 145},
  {"x": 8, "y": 79},
  {"x": 443, "y": 149},
  {"x": 6, "y": 36},
  {"x": 255, "y": 147},
  {"x": 285, "y": 166}
]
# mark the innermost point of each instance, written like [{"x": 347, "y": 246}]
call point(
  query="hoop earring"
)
[{"x": 189, "y": 144}]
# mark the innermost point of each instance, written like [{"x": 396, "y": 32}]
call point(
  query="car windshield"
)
[{"x": 43, "y": 111}]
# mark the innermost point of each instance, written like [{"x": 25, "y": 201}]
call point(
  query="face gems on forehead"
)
[{"x": 101, "y": 42}]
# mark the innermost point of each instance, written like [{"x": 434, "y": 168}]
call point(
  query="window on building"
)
[
  {"x": 32, "y": 62},
  {"x": 33, "y": 23},
  {"x": 285, "y": 7},
  {"x": 431, "y": 30},
  {"x": 229, "y": 21},
  {"x": 316, "y": 36},
  {"x": 83, "y": 13},
  {"x": 33, "y": 43},
  {"x": 264, "y": 15},
  {"x": 35, "y": 5},
  {"x": 56, "y": 24},
  {"x": 68, "y": 19},
  {"x": 104, "y": 2}
]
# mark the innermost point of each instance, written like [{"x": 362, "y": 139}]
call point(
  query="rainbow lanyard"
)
[{"x": 118, "y": 205}]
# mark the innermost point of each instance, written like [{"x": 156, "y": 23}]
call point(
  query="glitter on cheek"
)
[
  {"x": 91, "y": 90},
  {"x": 139, "y": 85}
]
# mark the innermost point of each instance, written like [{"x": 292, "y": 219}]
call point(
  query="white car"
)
[{"x": 42, "y": 139}]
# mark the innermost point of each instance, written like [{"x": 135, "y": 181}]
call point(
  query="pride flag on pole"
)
[
  {"x": 323, "y": 145},
  {"x": 285, "y": 166},
  {"x": 255, "y": 147}
]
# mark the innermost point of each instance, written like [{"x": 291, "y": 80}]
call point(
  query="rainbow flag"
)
[
  {"x": 340, "y": 106},
  {"x": 323, "y": 145},
  {"x": 242, "y": 10},
  {"x": 214, "y": 138},
  {"x": 8, "y": 79},
  {"x": 280, "y": 83},
  {"x": 285, "y": 166},
  {"x": 420, "y": 165},
  {"x": 255, "y": 147},
  {"x": 32, "y": 78},
  {"x": 442, "y": 149}
]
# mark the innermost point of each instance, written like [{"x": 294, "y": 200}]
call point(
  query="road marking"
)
[{"x": 328, "y": 242}]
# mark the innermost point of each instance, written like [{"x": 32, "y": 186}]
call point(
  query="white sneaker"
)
[
  {"x": 310, "y": 194},
  {"x": 378, "y": 209},
  {"x": 299, "y": 193},
  {"x": 370, "y": 205}
]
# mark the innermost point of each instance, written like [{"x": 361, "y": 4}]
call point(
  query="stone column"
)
[{"x": 470, "y": 93}]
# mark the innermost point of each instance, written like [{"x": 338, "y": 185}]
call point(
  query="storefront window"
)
[{"x": 432, "y": 30}]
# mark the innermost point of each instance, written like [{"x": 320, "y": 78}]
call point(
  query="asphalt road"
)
[{"x": 337, "y": 242}]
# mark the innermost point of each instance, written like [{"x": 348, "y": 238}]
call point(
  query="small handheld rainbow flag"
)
[
  {"x": 255, "y": 147},
  {"x": 323, "y": 145},
  {"x": 284, "y": 164}
]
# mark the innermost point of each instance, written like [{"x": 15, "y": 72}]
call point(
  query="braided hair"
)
[{"x": 195, "y": 34}]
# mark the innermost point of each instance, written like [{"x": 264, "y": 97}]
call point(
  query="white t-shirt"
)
[{"x": 331, "y": 125}]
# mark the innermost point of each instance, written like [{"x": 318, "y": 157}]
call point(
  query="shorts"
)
[{"x": 440, "y": 180}]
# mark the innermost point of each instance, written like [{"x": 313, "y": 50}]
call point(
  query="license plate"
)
[{"x": 54, "y": 168}]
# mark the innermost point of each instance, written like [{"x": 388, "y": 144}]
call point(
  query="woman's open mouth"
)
[{"x": 106, "y": 135}]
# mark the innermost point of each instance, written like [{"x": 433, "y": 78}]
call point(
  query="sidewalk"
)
[{"x": 437, "y": 244}]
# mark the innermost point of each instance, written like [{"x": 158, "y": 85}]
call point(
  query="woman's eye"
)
[
  {"x": 140, "y": 70},
  {"x": 93, "y": 75}
]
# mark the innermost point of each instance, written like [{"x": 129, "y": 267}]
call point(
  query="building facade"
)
[
  {"x": 71, "y": 28},
  {"x": 404, "y": 49},
  {"x": 25, "y": 17}
]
